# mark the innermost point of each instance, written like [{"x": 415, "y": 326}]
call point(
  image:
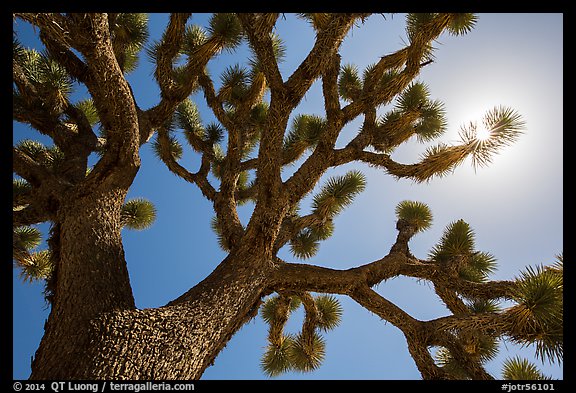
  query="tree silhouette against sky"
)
[{"x": 262, "y": 152}]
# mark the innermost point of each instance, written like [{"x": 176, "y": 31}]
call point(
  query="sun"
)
[{"x": 482, "y": 133}]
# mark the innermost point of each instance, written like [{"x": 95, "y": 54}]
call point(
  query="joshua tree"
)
[{"x": 95, "y": 331}]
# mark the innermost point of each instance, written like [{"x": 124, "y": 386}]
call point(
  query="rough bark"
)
[
  {"x": 179, "y": 340},
  {"x": 89, "y": 277}
]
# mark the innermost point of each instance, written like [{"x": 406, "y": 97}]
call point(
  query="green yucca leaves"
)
[
  {"x": 215, "y": 225},
  {"x": 521, "y": 369},
  {"x": 304, "y": 245},
  {"x": 415, "y": 21},
  {"x": 259, "y": 114},
  {"x": 51, "y": 157},
  {"x": 432, "y": 121},
  {"x": 538, "y": 317},
  {"x": 540, "y": 290},
  {"x": 457, "y": 240},
  {"x": 223, "y": 241},
  {"x": 129, "y": 34},
  {"x": 33, "y": 149},
  {"x": 19, "y": 187},
  {"x": 415, "y": 213},
  {"x": 329, "y": 310},
  {"x": 500, "y": 127},
  {"x": 268, "y": 309},
  {"x": 482, "y": 347},
  {"x": 226, "y": 29},
  {"x": 445, "y": 360},
  {"x": 302, "y": 352},
  {"x": 214, "y": 133},
  {"x": 131, "y": 29},
  {"x": 138, "y": 214},
  {"x": 483, "y": 305},
  {"x": 36, "y": 266},
  {"x": 55, "y": 78},
  {"x": 187, "y": 117},
  {"x": 26, "y": 238},
  {"x": 30, "y": 61},
  {"x": 462, "y": 23},
  {"x": 304, "y": 133},
  {"x": 413, "y": 97},
  {"x": 307, "y": 353},
  {"x": 174, "y": 148},
  {"x": 194, "y": 36},
  {"x": 276, "y": 359},
  {"x": 89, "y": 110},
  {"x": 337, "y": 193},
  {"x": 459, "y": 24},
  {"x": 349, "y": 83},
  {"x": 457, "y": 244},
  {"x": 235, "y": 81},
  {"x": 49, "y": 77},
  {"x": 324, "y": 230},
  {"x": 479, "y": 266}
]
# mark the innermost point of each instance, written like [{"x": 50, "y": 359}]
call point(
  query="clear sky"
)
[{"x": 515, "y": 205}]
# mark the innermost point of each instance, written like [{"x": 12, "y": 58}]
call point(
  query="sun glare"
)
[{"x": 482, "y": 133}]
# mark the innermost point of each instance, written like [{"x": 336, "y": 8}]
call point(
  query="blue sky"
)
[{"x": 515, "y": 205}]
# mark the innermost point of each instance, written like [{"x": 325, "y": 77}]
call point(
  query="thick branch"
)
[
  {"x": 199, "y": 178},
  {"x": 327, "y": 42},
  {"x": 412, "y": 328},
  {"x": 261, "y": 42},
  {"x": 167, "y": 51}
]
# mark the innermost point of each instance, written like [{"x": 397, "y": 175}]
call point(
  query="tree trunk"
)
[
  {"x": 181, "y": 339},
  {"x": 94, "y": 330},
  {"x": 89, "y": 277}
]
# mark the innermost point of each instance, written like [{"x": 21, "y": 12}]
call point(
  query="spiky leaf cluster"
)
[
  {"x": 49, "y": 78},
  {"x": 25, "y": 238},
  {"x": 89, "y": 110},
  {"x": 34, "y": 265},
  {"x": 304, "y": 134},
  {"x": 129, "y": 34},
  {"x": 337, "y": 193},
  {"x": 431, "y": 121},
  {"x": 517, "y": 368},
  {"x": 539, "y": 314},
  {"x": 413, "y": 114},
  {"x": 37, "y": 266},
  {"x": 226, "y": 29},
  {"x": 478, "y": 345},
  {"x": 456, "y": 249},
  {"x": 137, "y": 214},
  {"x": 305, "y": 350},
  {"x": 462, "y": 23},
  {"x": 415, "y": 213},
  {"x": 174, "y": 149},
  {"x": 504, "y": 126},
  {"x": 234, "y": 87},
  {"x": 49, "y": 157},
  {"x": 20, "y": 189},
  {"x": 349, "y": 83}
]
